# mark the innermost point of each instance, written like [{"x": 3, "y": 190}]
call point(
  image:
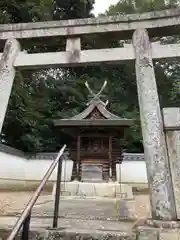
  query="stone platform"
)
[
  {"x": 90, "y": 219},
  {"x": 74, "y": 229},
  {"x": 85, "y": 189}
]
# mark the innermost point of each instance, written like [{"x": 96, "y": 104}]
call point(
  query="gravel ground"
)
[{"x": 14, "y": 202}]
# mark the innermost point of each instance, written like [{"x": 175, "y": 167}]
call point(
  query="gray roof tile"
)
[{"x": 52, "y": 155}]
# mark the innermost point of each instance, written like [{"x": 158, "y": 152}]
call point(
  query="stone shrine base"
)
[{"x": 85, "y": 189}]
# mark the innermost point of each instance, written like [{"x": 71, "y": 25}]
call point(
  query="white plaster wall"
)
[
  {"x": 132, "y": 172},
  {"x": 17, "y": 168},
  {"x": 12, "y": 166}
]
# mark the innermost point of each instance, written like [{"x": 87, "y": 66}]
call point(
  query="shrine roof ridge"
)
[
  {"x": 150, "y": 20},
  {"x": 93, "y": 122}
]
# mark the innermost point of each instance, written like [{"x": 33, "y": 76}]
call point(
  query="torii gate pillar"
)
[
  {"x": 7, "y": 74},
  {"x": 155, "y": 149}
]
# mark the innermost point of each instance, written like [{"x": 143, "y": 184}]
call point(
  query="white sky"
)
[{"x": 102, "y": 5}]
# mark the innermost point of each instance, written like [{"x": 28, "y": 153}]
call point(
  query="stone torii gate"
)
[{"x": 162, "y": 162}]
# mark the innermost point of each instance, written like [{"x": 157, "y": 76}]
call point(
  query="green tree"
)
[
  {"x": 19, "y": 11},
  {"x": 166, "y": 80},
  {"x": 72, "y": 9},
  {"x": 38, "y": 97},
  {"x": 140, "y": 6}
]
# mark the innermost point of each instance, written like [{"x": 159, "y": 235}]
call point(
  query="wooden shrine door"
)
[{"x": 94, "y": 159}]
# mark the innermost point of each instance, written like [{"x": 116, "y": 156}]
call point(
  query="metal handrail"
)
[{"x": 24, "y": 219}]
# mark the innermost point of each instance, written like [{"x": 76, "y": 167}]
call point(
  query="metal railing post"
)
[
  {"x": 57, "y": 195},
  {"x": 24, "y": 219},
  {"x": 25, "y": 230}
]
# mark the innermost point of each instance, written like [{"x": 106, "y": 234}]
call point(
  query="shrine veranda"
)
[{"x": 160, "y": 129}]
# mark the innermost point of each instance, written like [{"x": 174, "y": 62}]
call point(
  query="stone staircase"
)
[
  {"x": 90, "y": 219},
  {"x": 86, "y": 230},
  {"x": 96, "y": 190},
  {"x": 76, "y": 229}
]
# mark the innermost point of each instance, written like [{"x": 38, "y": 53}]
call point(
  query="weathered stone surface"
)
[
  {"x": 162, "y": 197},
  {"x": 43, "y": 223},
  {"x": 73, "y": 233},
  {"x": 7, "y": 74},
  {"x": 114, "y": 24},
  {"x": 163, "y": 224},
  {"x": 73, "y": 49},
  {"x": 77, "y": 234},
  {"x": 95, "y": 189},
  {"x": 170, "y": 235},
  {"x": 74, "y": 229},
  {"x": 5, "y": 232},
  {"x": 147, "y": 234},
  {"x": 171, "y": 117},
  {"x": 91, "y": 57},
  {"x": 86, "y": 209},
  {"x": 172, "y": 121}
]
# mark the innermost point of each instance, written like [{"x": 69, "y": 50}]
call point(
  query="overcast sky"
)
[{"x": 102, "y": 5}]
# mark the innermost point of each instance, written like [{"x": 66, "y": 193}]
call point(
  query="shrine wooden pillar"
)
[{"x": 79, "y": 157}]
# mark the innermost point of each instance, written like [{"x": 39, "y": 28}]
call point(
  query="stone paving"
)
[
  {"x": 13, "y": 202},
  {"x": 70, "y": 227},
  {"x": 85, "y": 209},
  {"x": 76, "y": 215},
  {"x": 86, "y": 219},
  {"x": 109, "y": 225},
  {"x": 100, "y": 209},
  {"x": 86, "y": 216}
]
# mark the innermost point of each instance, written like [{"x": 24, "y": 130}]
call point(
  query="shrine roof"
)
[
  {"x": 107, "y": 118},
  {"x": 96, "y": 114}
]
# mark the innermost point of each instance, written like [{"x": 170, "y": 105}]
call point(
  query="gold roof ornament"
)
[{"x": 96, "y": 96}]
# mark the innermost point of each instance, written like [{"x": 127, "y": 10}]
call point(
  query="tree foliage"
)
[
  {"x": 72, "y": 9},
  {"x": 39, "y": 97}
]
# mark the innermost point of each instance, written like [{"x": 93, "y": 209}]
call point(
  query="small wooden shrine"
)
[{"x": 94, "y": 149}]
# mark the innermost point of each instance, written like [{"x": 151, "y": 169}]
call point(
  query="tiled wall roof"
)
[
  {"x": 52, "y": 155},
  {"x": 133, "y": 156}
]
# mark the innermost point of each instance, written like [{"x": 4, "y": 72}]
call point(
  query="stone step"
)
[
  {"x": 71, "y": 234},
  {"x": 95, "y": 189},
  {"x": 76, "y": 229},
  {"x": 65, "y": 193},
  {"x": 70, "y": 229},
  {"x": 122, "y": 195},
  {"x": 142, "y": 233},
  {"x": 86, "y": 234}
]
